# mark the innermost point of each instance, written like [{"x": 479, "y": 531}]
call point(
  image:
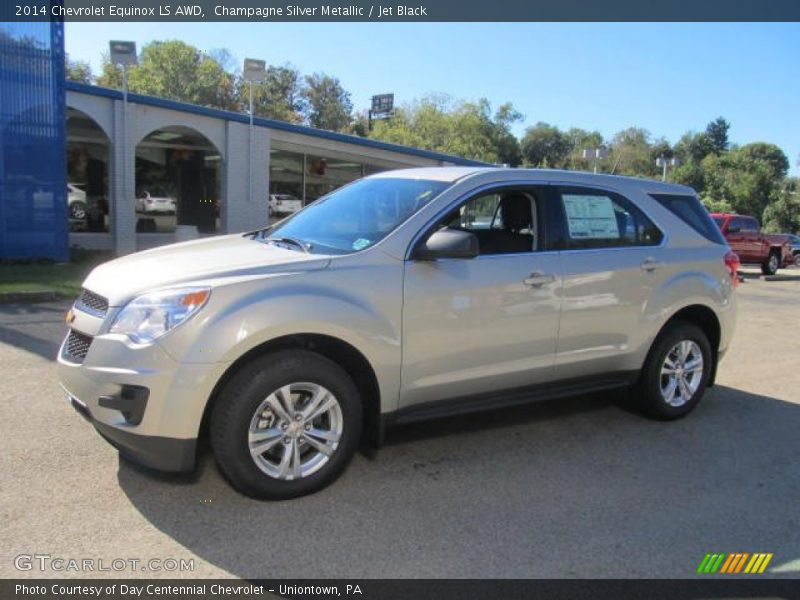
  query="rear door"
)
[{"x": 612, "y": 263}]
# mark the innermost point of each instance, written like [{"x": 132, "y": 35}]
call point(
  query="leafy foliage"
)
[
  {"x": 328, "y": 103},
  {"x": 469, "y": 129}
]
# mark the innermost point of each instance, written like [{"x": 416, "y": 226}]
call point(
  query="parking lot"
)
[{"x": 572, "y": 488}]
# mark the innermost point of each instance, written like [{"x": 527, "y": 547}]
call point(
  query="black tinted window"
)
[
  {"x": 598, "y": 219},
  {"x": 689, "y": 210}
]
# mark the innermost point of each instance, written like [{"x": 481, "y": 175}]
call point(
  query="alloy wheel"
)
[
  {"x": 295, "y": 431},
  {"x": 681, "y": 373}
]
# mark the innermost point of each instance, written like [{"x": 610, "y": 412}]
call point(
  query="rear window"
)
[{"x": 689, "y": 210}]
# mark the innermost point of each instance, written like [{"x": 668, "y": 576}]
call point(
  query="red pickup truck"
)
[{"x": 744, "y": 236}]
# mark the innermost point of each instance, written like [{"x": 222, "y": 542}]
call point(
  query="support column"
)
[{"x": 240, "y": 212}]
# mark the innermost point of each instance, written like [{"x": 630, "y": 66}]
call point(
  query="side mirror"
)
[{"x": 448, "y": 243}]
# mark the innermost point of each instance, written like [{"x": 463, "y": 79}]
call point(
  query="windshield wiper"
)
[{"x": 290, "y": 240}]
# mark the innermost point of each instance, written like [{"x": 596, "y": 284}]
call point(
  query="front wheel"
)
[
  {"x": 676, "y": 372},
  {"x": 797, "y": 260},
  {"x": 77, "y": 210},
  {"x": 771, "y": 265},
  {"x": 286, "y": 425}
]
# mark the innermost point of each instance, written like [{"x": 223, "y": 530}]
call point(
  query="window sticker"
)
[
  {"x": 590, "y": 217},
  {"x": 360, "y": 244}
]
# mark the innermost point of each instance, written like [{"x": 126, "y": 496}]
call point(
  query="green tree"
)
[
  {"x": 328, "y": 105},
  {"x": 280, "y": 96},
  {"x": 631, "y": 153},
  {"x": 78, "y": 70},
  {"x": 693, "y": 147},
  {"x": 717, "y": 135},
  {"x": 545, "y": 145},
  {"x": 783, "y": 215},
  {"x": 580, "y": 140},
  {"x": 770, "y": 154},
  {"x": 178, "y": 71},
  {"x": 469, "y": 129},
  {"x": 748, "y": 178},
  {"x": 110, "y": 74}
]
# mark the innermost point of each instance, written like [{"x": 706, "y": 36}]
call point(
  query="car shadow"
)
[
  {"x": 568, "y": 488},
  {"x": 30, "y": 326},
  {"x": 793, "y": 275}
]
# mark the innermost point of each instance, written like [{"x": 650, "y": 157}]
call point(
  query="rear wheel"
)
[
  {"x": 797, "y": 259},
  {"x": 676, "y": 372},
  {"x": 772, "y": 264},
  {"x": 286, "y": 425}
]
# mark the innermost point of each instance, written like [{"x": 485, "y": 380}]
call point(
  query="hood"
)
[{"x": 226, "y": 256}]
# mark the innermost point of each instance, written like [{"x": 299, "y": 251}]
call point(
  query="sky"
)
[{"x": 669, "y": 78}]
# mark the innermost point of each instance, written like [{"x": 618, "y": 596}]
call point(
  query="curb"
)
[{"x": 45, "y": 296}]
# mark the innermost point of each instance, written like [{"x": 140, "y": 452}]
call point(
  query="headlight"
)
[{"x": 150, "y": 316}]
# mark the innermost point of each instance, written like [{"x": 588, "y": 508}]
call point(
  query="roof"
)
[
  {"x": 451, "y": 174},
  {"x": 269, "y": 123}
]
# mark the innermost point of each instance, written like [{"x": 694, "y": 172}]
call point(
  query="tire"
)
[
  {"x": 251, "y": 412},
  {"x": 77, "y": 210},
  {"x": 772, "y": 264},
  {"x": 652, "y": 392},
  {"x": 797, "y": 259}
]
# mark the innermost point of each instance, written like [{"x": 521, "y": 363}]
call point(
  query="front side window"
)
[
  {"x": 357, "y": 216},
  {"x": 598, "y": 219},
  {"x": 504, "y": 221}
]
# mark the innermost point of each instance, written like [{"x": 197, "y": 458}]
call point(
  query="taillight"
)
[{"x": 732, "y": 263}]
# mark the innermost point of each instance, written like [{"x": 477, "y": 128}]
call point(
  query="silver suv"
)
[{"x": 405, "y": 295}]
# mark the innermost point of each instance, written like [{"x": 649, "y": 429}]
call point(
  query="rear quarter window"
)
[{"x": 689, "y": 210}]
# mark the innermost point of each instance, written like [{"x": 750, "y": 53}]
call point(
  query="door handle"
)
[
  {"x": 651, "y": 265},
  {"x": 538, "y": 279}
]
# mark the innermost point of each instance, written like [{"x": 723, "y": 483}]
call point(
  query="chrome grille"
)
[
  {"x": 77, "y": 345},
  {"x": 93, "y": 302}
]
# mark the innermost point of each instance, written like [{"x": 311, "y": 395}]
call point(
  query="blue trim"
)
[{"x": 271, "y": 124}]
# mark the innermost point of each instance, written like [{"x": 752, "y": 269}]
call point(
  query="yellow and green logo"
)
[{"x": 736, "y": 562}]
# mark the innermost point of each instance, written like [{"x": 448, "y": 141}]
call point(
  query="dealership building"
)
[{"x": 84, "y": 166}]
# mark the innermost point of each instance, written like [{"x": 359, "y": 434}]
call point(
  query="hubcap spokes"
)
[
  {"x": 295, "y": 431},
  {"x": 681, "y": 373}
]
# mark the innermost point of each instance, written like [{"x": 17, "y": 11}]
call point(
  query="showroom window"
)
[{"x": 308, "y": 177}]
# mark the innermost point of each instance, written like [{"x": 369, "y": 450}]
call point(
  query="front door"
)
[{"x": 472, "y": 326}]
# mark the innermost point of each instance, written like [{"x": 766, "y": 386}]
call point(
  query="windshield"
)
[{"x": 357, "y": 216}]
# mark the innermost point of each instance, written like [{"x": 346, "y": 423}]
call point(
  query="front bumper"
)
[
  {"x": 162, "y": 453},
  {"x": 140, "y": 399}
]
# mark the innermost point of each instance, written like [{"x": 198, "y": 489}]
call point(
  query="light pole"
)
[
  {"x": 664, "y": 163},
  {"x": 597, "y": 154},
  {"x": 255, "y": 71},
  {"x": 123, "y": 54}
]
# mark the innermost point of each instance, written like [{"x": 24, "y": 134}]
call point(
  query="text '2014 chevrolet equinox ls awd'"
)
[{"x": 405, "y": 295}]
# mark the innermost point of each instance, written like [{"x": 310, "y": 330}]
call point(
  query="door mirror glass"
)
[{"x": 448, "y": 243}]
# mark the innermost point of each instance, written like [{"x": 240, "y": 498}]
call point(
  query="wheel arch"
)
[
  {"x": 706, "y": 319},
  {"x": 344, "y": 354}
]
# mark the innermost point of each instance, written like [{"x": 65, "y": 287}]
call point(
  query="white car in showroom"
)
[
  {"x": 155, "y": 202},
  {"x": 284, "y": 204},
  {"x": 76, "y": 200}
]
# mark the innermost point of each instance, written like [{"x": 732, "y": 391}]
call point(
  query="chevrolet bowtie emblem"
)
[{"x": 70, "y": 317}]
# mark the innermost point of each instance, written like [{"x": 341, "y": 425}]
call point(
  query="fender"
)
[{"x": 248, "y": 314}]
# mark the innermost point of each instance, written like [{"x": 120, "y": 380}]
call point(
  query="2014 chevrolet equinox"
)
[{"x": 405, "y": 295}]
